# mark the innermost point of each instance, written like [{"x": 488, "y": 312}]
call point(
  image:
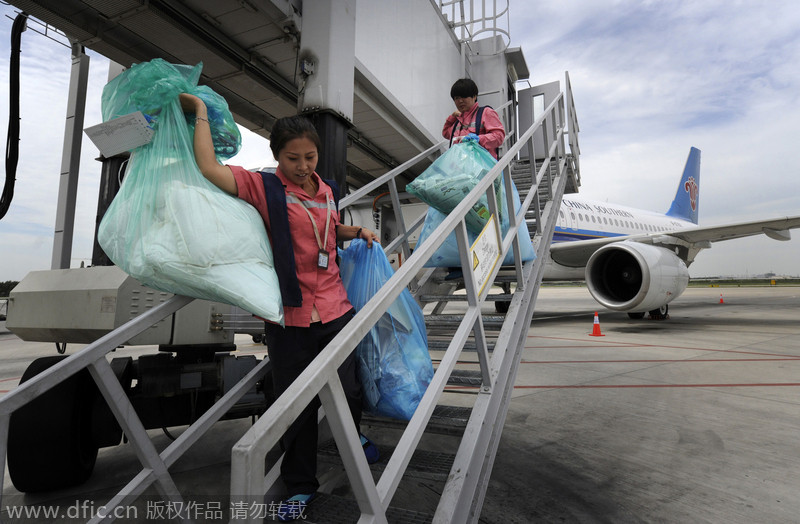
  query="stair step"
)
[
  {"x": 431, "y": 465},
  {"x": 466, "y": 377},
  {"x": 502, "y": 297},
  {"x": 333, "y": 509},
  {"x": 445, "y": 420},
  {"x": 506, "y": 275},
  {"x": 452, "y": 321},
  {"x": 442, "y": 345}
]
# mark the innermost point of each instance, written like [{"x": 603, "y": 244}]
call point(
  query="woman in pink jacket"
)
[{"x": 461, "y": 126}]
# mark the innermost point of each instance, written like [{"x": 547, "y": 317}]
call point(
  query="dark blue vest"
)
[{"x": 282, "y": 250}]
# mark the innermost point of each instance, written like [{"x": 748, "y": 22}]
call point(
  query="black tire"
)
[
  {"x": 636, "y": 316},
  {"x": 49, "y": 439},
  {"x": 660, "y": 313},
  {"x": 501, "y": 306}
]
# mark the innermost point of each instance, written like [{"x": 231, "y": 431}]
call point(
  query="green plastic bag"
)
[
  {"x": 452, "y": 176},
  {"x": 168, "y": 226}
]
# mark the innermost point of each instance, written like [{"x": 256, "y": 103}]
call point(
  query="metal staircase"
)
[
  {"x": 450, "y": 443},
  {"x": 421, "y": 452}
]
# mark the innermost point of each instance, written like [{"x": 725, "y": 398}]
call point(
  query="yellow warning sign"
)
[{"x": 485, "y": 253}]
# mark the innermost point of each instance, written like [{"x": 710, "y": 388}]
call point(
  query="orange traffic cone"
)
[
  {"x": 720, "y": 299},
  {"x": 596, "y": 327}
]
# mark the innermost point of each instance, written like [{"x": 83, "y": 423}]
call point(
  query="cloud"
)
[
  {"x": 651, "y": 79},
  {"x": 27, "y": 230}
]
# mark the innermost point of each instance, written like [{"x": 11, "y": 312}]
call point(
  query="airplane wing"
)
[{"x": 577, "y": 253}]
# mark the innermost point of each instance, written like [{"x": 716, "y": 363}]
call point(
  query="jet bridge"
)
[{"x": 472, "y": 431}]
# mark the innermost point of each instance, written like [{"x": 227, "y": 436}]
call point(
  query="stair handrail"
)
[
  {"x": 93, "y": 357},
  {"x": 321, "y": 379}
]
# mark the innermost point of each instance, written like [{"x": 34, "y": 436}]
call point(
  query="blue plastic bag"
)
[
  {"x": 447, "y": 254},
  {"x": 395, "y": 367},
  {"x": 452, "y": 176}
]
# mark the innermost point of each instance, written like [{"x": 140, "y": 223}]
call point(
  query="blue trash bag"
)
[
  {"x": 169, "y": 227},
  {"x": 445, "y": 183},
  {"x": 395, "y": 367},
  {"x": 447, "y": 254}
]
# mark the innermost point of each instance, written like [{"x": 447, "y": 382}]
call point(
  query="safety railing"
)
[
  {"x": 93, "y": 358},
  {"x": 573, "y": 130},
  {"x": 249, "y": 477},
  {"x": 471, "y": 19}
]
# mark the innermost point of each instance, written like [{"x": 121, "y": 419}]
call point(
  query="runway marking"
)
[
  {"x": 610, "y": 386},
  {"x": 687, "y": 360},
  {"x": 603, "y": 344},
  {"x": 635, "y": 386}
]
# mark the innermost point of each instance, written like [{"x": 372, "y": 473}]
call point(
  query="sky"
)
[{"x": 650, "y": 80}]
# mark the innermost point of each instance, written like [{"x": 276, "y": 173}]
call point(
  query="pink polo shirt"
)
[
  {"x": 491, "y": 134},
  {"x": 322, "y": 288}
]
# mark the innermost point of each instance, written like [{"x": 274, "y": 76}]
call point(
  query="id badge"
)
[{"x": 322, "y": 259}]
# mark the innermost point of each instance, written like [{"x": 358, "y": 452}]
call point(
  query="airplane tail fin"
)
[{"x": 687, "y": 198}]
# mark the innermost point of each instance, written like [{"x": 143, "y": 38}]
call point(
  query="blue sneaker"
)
[
  {"x": 293, "y": 508},
  {"x": 370, "y": 450}
]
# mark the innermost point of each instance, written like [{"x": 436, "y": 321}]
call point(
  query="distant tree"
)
[{"x": 6, "y": 287}]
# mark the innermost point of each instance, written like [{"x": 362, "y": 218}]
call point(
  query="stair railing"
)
[{"x": 249, "y": 481}]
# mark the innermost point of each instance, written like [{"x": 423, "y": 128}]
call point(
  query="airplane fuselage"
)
[{"x": 581, "y": 219}]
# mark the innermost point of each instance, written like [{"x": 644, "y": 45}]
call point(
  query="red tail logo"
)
[{"x": 691, "y": 187}]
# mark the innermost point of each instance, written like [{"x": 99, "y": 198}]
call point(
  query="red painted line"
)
[
  {"x": 628, "y": 386},
  {"x": 611, "y": 386},
  {"x": 687, "y": 360},
  {"x": 602, "y": 345},
  {"x": 8, "y": 379}
]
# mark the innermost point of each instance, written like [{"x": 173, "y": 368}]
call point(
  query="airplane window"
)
[
  {"x": 593, "y": 220},
  {"x": 580, "y": 215}
]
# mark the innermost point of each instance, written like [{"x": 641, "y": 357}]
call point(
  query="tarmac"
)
[{"x": 689, "y": 419}]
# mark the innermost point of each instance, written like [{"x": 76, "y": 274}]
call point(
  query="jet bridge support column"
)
[
  {"x": 327, "y": 61},
  {"x": 70, "y": 161}
]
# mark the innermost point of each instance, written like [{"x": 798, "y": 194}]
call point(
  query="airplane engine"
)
[{"x": 634, "y": 277}]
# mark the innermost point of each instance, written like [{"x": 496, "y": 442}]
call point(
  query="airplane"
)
[{"x": 635, "y": 260}]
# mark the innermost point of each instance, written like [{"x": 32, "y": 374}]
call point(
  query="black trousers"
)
[{"x": 291, "y": 350}]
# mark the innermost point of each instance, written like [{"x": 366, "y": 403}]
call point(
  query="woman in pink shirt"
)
[
  {"x": 320, "y": 309},
  {"x": 460, "y": 125}
]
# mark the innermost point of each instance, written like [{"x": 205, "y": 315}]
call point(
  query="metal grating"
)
[{"x": 330, "y": 509}]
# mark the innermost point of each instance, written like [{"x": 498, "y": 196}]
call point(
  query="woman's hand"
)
[
  {"x": 345, "y": 233},
  {"x": 193, "y": 104},
  {"x": 369, "y": 236}
]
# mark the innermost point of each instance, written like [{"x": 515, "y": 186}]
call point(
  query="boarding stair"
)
[
  {"x": 462, "y": 434},
  {"x": 447, "y": 449}
]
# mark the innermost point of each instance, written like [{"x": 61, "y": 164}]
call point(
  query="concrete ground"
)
[{"x": 691, "y": 419}]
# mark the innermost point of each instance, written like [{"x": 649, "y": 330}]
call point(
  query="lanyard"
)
[{"x": 320, "y": 242}]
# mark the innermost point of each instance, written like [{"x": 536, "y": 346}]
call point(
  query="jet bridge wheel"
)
[{"x": 49, "y": 439}]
